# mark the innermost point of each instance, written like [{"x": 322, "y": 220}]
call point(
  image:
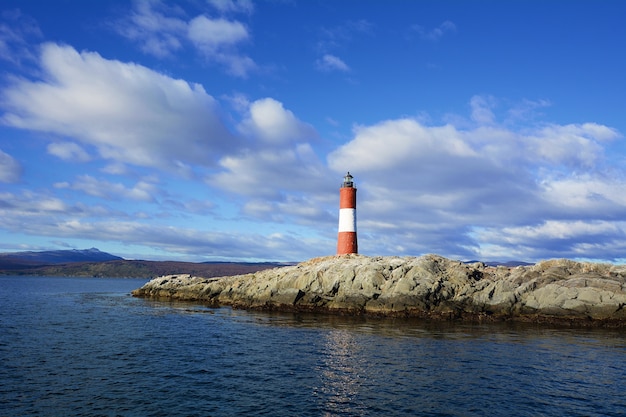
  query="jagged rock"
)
[{"x": 426, "y": 286}]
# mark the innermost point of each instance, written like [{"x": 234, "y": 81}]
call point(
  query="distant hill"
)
[
  {"x": 94, "y": 263},
  {"x": 57, "y": 257}
]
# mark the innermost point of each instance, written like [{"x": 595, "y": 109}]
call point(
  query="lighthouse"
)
[{"x": 346, "y": 238}]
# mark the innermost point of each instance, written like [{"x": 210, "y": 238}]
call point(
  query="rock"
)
[{"x": 426, "y": 286}]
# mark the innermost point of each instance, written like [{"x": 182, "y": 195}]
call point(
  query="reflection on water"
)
[{"x": 341, "y": 374}]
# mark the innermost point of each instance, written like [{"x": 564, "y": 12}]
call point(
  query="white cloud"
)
[
  {"x": 437, "y": 33},
  {"x": 482, "y": 110},
  {"x": 226, "y": 6},
  {"x": 552, "y": 229},
  {"x": 595, "y": 131},
  {"x": 577, "y": 145},
  {"x": 527, "y": 109},
  {"x": 51, "y": 205},
  {"x": 270, "y": 122},
  {"x": 585, "y": 195},
  {"x": 398, "y": 144},
  {"x": 331, "y": 63},
  {"x": 22, "y": 209},
  {"x": 68, "y": 151},
  {"x": 271, "y": 172},
  {"x": 148, "y": 24},
  {"x": 210, "y": 35},
  {"x": 217, "y": 38},
  {"x": 292, "y": 207},
  {"x": 10, "y": 169},
  {"x": 574, "y": 239},
  {"x": 343, "y": 34},
  {"x": 16, "y": 29},
  {"x": 237, "y": 65},
  {"x": 30, "y": 212},
  {"x": 162, "y": 30},
  {"x": 238, "y": 101},
  {"x": 115, "y": 168},
  {"x": 141, "y": 191},
  {"x": 129, "y": 113}
]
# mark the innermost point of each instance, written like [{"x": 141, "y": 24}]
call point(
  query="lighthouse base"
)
[{"x": 346, "y": 243}]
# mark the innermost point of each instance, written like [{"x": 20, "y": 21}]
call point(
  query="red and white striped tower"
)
[{"x": 346, "y": 238}]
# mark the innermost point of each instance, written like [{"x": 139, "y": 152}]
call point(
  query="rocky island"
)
[{"x": 428, "y": 286}]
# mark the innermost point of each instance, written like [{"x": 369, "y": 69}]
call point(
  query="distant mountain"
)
[
  {"x": 54, "y": 257},
  {"x": 94, "y": 263},
  {"x": 145, "y": 269}
]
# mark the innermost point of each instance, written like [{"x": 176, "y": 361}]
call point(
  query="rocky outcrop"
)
[{"x": 426, "y": 286}]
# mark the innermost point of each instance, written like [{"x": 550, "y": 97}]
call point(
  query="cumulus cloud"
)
[
  {"x": 269, "y": 121},
  {"x": 278, "y": 161},
  {"x": 330, "y": 63},
  {"x": 575, "y": 145},
  {"x": 129, "y": 113},
  {"x": 588, "y": 195},
  {"x": 10, "y": 169},
  {"x": 397, "y": 143},
  {"x": 213, "y": 34}
]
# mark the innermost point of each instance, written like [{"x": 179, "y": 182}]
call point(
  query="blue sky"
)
[{"x": 221, "y": 129}]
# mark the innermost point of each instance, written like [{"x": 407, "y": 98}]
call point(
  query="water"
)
[{"x": 85, "y": 347}]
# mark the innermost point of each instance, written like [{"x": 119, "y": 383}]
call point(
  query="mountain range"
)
[
  {"x": 54, "y": 257},
  {"x": 95, "y": 263}
]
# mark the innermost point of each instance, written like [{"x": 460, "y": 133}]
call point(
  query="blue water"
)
[{"x": 85, "y": 347}]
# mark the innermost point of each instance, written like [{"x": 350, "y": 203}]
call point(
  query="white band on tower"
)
[{"x": 347, "y": 220}]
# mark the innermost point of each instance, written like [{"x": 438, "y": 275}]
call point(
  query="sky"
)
[{"x": 220, "y": 130}]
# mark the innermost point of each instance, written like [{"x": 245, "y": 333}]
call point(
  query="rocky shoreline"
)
[{"x": 430, "y": 286}]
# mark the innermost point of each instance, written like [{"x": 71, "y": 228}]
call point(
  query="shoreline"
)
[{"x": 467, "y": 318}]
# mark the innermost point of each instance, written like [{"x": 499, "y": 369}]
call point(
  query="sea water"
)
[{"x": 85, "y": 347}]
